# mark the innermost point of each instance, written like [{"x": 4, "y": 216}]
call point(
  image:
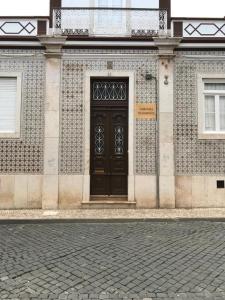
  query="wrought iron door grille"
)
[
  {"x": 119, "y": 140},
  {"x": 106, "y": 91},
  {"x": 99, "y": 140}
]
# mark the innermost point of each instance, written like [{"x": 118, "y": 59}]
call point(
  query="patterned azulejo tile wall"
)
[
  {"x": 194, "y": 156},
  {"x": 25, "y": 154},
  {"x": 72, "y": 105}
]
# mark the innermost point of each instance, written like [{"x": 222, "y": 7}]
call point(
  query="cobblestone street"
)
[{"x": 136, "y": 260}]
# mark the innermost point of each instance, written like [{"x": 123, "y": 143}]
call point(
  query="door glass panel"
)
[
  {"x": 222, "y": 113},
  {"x": 109, "y": 91},
  {"x": 99, "y": 140},
  {"x": 210, "y": 116},
  {"x": 119, "y": 140}
]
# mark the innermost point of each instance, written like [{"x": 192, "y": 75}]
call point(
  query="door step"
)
[
  {"x": 108, "y": 203},
  {"x": 109, "y": 198}
]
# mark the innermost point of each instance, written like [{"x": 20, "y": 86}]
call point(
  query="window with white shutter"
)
[
  {"x": 212, "y": 106},
  {"x": 10, "y": 102}
]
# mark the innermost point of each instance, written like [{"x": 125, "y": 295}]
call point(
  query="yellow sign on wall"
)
[{"x": 146, "y": 111}]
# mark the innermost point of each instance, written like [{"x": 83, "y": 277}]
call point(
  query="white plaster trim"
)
[
  {"x": 19, "y": 43},
  {"x": 109, "y": 43},
  {"x": 22, "y": 55},
  {"x": 97, "y": 56},
  {"x": 202, "y": 134},
  {"x": 83, "y": 43},
  {"x": 201, "y": 57},
  {"x": 202, "y": 45},
  {"x": 113, "y": 43},
  {"x": 18, "y": 77},
  {"x": 87, "y": 124}
]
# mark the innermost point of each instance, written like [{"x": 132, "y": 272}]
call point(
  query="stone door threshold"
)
[
  {"x": 109, "y": 198},
  {"x": 109, "y": 202}
]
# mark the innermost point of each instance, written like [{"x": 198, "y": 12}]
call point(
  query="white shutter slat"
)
[{"x": 8, "y": 94}]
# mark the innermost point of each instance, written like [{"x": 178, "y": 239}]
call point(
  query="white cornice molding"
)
[
  {"x": 201, "y": 57},
  {"x": 202, "y": 45},
  {"x": 112, "y": 44},
  {"x": 20, "y": 44},
  {"x": 78, "y": 43},
  {"x": 166, "y": 45},
  {"x": 53, "y": 45},
  {"x": 99, "y": 56}
]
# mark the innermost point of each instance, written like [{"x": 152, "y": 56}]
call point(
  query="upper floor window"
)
[
  {"x": 10, "y": 102},
  {"x": 111, "y": 3},
  {"x": 114, "y": 18},
  {"x": 145, "y": 3},
  {"x": 76, "y": 3},
  {"x": 212, "y": 106}
]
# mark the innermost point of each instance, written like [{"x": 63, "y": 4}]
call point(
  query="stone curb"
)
[{"x": 114, "y": 214}]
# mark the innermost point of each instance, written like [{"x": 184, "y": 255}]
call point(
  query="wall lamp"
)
[{"x": 149, "y": 76}]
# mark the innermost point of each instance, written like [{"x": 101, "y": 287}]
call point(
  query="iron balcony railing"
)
[{"x": 124, "y": 22}]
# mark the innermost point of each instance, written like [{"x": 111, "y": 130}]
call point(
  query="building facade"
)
[{"x": 112, "y": 104}]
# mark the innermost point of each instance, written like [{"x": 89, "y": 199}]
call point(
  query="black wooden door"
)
[{"x": 109, "y": 137}]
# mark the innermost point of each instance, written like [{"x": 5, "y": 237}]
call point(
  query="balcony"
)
[{"x": 109, "y": 22}]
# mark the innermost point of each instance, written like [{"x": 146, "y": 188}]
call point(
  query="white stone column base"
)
[
  {"x": 86, "y": 188},
  {"x": 131, "y": 187},
  {"x": 50, "y": 192},
  {"x": 167, "y": 191}
]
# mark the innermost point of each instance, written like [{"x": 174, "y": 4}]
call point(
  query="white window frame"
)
[
  {"x": 18, "y": 77},
  {"x": 202, "y": 79}
]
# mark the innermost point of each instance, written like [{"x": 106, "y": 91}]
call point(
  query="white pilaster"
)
[
  {"x": 166, "y": 166},
  {"x": 50, "y": 193}
]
